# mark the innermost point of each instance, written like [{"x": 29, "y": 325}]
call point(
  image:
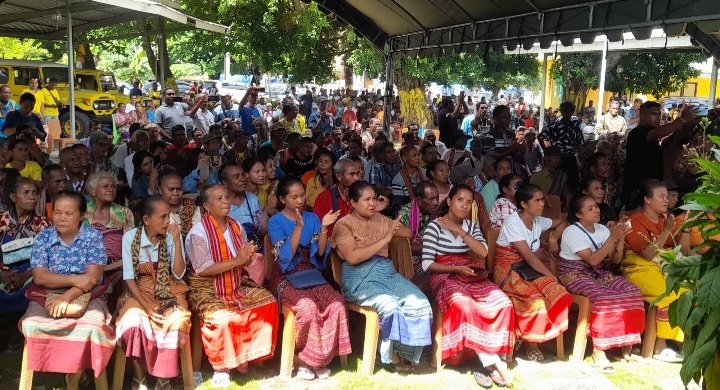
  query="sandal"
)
[
  {"x": 668, "y": 355},
  {"x": 221, "y": 379},
  {"x": 536, "y": 356},
  {"x": 162, "y": 383},
  {"x": 305, "y": 374},
  {"x": 322, "y": 373},
  {"x": 138, "y": 384},
  {"x": 483, "y": 380},
  {"x": 604, "y": 366},
  {"x": 499, "y": 380}
]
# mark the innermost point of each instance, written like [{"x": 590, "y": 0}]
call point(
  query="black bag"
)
[
  {"x": 525, "y": 271},
  {"x": 305, "y": 279}
]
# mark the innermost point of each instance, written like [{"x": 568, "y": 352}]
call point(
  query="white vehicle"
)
[{"x": 236, "y": 89}]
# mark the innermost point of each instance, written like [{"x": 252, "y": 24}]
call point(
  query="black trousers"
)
[{"x": 569, "y": 165}]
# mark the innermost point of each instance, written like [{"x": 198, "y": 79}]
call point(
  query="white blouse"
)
[{"x": 513, "y": 230}]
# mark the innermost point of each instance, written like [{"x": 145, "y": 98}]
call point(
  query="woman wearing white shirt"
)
[
  {"x": 617, "y": 315},
  {"x": 541, "y": 303}
]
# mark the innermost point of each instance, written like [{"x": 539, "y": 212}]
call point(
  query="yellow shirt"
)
[
  {"x": 47, "y": 100},
  {"x": 38, "y": 96},
  {"x": 294, "y": 126},
  {"x": 32, "y": 170},
  {"x": 154, "y": 95}
]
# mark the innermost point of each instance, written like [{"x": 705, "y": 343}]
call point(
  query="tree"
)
[
  {"x": 578, "y": 73},
  {"x": 655, "y": 73},
  {"x": 23, "y": 49}
]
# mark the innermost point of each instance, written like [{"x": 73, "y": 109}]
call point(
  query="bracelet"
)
[
  {"x": 464, "y": 235},
  {"x": 323, "y": 231},
  {"x": 685, "y": 231}
]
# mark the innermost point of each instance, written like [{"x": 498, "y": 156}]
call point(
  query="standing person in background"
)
[
  {"x": 171, "y": 113},
  {"x": 590, "y": 111},
  {"x": 321, "y": 120},
  {"x": 566, "y": 135},
  {"x": 448, "y": 117},
  {"x": 33, "y": 88},
  {"x": 248, "y": 110},
  {"x": 633, "y": 115},
  {"x": 51, "y": 104}
]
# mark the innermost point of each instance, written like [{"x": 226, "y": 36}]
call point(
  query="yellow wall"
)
[{"x": 552, "y": 100}]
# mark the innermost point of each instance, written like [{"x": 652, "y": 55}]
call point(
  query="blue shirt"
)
[
  {"x": 280, "y": 228},
  {"x": 150, "y": 115},
  {"x": 247, "y": 115},
  {"x": 327, "y": 125},
  {"x": 49, "y": 251},
  {"x": 222, "y": 113},
  {"x": 190, "y": 182},
  {"x": 146, "y": 247},
  {"x": 4, "y": 110},
  {"x": 246, "y": 213},
  {"x": 15, "y": 119}
]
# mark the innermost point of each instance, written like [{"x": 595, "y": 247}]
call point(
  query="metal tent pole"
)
[
  {"x": 71, "y": 70},
  {"x": 389, "y": 81},
  {"x": 713, "y": 84},
  {"x": 601, "y": 84},
  {"x": 543, "y": 91}
]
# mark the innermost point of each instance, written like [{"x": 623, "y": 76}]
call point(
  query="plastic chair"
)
[
  {"x": 553, "y": 207},
  {"x": 26, "y": 375},
  {"x": 54, "y": 134},
  {"x": 289, "y": 332},
  {"x": 185, "y": 364},
  {"x": 397, "y": 246}
]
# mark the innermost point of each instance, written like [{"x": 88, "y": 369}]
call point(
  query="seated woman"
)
[
  {"x": 153, "y": 321},
  {"x": 222, "y": 292},
  {"x": 369, "y": 278},
  {"x": 652, "y": 228},
  {"x": 184, "y": 213},
  {"x": 20, "y": 150},
  {"x": 617, "y": 315},
  {"x": 68, "y": 259},
  {"x": 477, "y": 315},
  {"x": 267, "y": 192},
  {"x": 18, "y": 226},
  {"x": 593, "y": 188},
  {"x": 438, "y": 172},
  {"x": 143, "y": 167},
  {"x": 300, "y": 240},
  {"x": 504, "y": 206},
  {"x": 541, "y": 303},
  {"x": 322, "y": 177}
]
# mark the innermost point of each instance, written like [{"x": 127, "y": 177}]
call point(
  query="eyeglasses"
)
[{"x": 483, "y": 108}]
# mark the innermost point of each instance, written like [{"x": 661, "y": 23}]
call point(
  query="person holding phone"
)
[
  {"x": 172, "y": 112},
  {"x": 248, "y": 110}
]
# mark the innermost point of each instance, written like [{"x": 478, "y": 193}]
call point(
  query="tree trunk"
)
[
  {"x": 150, "y": 53},
  {"x": 347, "y": 72},
  {"x": 89, "y": 57}
]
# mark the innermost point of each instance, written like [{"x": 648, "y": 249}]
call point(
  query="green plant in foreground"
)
[{"x": 697, "y": 311}]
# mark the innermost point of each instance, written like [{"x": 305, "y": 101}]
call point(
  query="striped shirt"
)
[{"x": 439, "y": 241}]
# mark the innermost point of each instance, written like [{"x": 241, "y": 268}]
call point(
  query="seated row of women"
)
[{"x": 239, "y": 318}]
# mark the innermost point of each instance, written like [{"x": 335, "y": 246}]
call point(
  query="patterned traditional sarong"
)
[
  {"x": 156, "y": 345},
  {"x": 648, "y": 277},
  {"x": 541, "y": 305},
  {"x": 320, "y": 317},
  {"x": 476, "y": 316},
  {"x": 617, "y": 313},
  {"x": 234, "y": 335},
  {"x": 404, "y": 311},
  {"x": 68, "y": 345}
]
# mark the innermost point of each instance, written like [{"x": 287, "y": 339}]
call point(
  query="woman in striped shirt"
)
[{"x": 477, "y": 315}]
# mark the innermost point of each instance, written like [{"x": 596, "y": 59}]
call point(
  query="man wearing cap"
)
[
  {"x": 249, "y": 111},
  {"x": 551, "y": 179},
  {"x": 452, "y": 155},
  {"x": 321, "y": 119},
  {"x": 239, "y": 151},
  {"x": 171, "y": 113},
  {"x": 226, "y": 111},
  {"x": 212, "y": 142}
]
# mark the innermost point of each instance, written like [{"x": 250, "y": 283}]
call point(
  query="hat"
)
[
  {"x": 459, "y": 173},
  {"x": 209, "y": 137},
  {"x": 277, "y": 126},
  {"x": 225, "y": 93},
  {"x": 553, "y": 151},
  {"x": 321, "y": 99}
]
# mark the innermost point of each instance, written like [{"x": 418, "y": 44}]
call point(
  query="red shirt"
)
[{"x": 324, "y": 204}]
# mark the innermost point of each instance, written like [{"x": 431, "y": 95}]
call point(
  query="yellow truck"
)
[{"x": 90, "y": 100}]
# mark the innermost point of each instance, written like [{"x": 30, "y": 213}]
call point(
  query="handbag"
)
[
  {"x": 306, "y": 279},
  {"x": 75, "y": 308},
  {"x": 525, "y": 271},
  {"x": 17, "y": 250}
]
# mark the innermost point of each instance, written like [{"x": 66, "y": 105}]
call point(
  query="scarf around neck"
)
[{"x": 226, "y": 284}]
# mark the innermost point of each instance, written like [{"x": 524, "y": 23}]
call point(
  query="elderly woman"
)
[
  {"x": 541, "y": 303},
  {"x": 153, "y": 320},
  {"x": 652, "y": 229},
  {"x": 121, "y": 118},
  {"x": 244, "y": 206},
  {"x": 18, "y": 226},
  {"x": 301, "y": 242},
  {"x": 222, "y": 292},
  {"x": 477, "y": 315},
  {"x": 184, "y": 213},
  {"x": 138, "y": 115},
  {"x": 67, "y": 264},
  {"x": 370, "y": 279},
  {"x": 617, "y": 314}
]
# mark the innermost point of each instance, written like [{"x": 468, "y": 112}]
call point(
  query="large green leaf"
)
[
  {"x": 709, "y": 290},
  {"x": 696, "y": 316},
  {"x": 684, "y": 306},
  {"x": 685, "y": 267},
  {"x": 701, "y": 358},
  {"x": 709, "y": 329}
]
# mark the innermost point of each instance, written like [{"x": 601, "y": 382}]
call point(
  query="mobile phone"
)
[
  {"x": 214, "y": 98},
  {"x": 480, "y": 271},
  {"x": 178, "y": 99},
  {"x": 217, "y": 160},
  {"x": 156, "y": 160}
]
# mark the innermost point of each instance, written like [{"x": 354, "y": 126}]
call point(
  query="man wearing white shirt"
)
[
  {"x": 202, "y": 117},
  {"x": 130, "y": 107}
]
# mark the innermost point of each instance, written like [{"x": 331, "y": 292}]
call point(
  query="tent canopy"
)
[
  {"x": 425, "y": 28},
  {"x": 41, "y": 19}
]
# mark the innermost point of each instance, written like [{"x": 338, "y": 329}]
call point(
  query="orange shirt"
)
[{"x": 644, "y": 231}]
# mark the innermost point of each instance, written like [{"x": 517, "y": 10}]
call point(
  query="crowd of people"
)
[{"x": 121, "y": 244}]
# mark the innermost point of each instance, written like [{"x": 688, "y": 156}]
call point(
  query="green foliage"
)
[
  {"x": 655, "y": 73},
  {"x": 23, "y": 49},
  {"x": 364, "y": 57},
  {"x": 132, "y": 65},
  {"x": 578, "y": 73},
  {"x": 182, "y": 70},
  {"x": 697, "y": 278}
]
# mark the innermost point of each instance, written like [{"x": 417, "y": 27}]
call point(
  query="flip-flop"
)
[
  {"x": 483, "y": 380},
  {"x": 221, "y": 379},
  {"x": 536, "y": 356},
  {"x": 305, "y": 374},
  {"x": 668, "y": 355},
  {"x": 607, "y": 369},
  {"x": 138, "y": 384},
  {"x": 322, "y": 373},
  {"x": 499, "y": 380}
]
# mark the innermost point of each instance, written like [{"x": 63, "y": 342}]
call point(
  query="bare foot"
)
[{"x": 502, "y": 369}]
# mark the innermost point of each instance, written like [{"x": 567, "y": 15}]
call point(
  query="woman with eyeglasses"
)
[
  {"x": 504, "y": 206},
  {"x": 521, "y": 271}
]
